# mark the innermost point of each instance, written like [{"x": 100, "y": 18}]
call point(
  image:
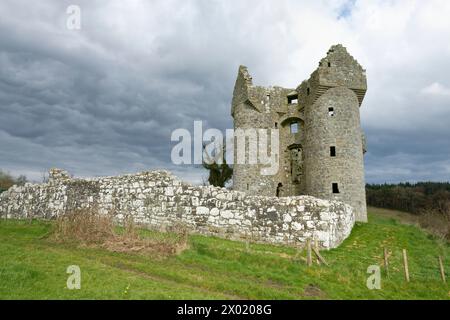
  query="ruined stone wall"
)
[
  {"x": 158, "y": 200},
  {"x": 257, "y": 107}
]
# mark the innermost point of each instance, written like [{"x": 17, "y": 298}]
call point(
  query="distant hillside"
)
[
  {"x": 408, "y": 197},
  {"x": 429, "y": 200}
]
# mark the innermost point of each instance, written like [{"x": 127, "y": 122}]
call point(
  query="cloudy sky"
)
[{"x": 103, "y": 100}]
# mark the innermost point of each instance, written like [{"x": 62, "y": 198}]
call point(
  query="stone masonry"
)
[
  {"x": 158, "y": 200},
  {"x": 321, "y": 141}
]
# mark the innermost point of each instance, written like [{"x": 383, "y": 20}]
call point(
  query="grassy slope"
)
[{"x": 31, "y": 267}]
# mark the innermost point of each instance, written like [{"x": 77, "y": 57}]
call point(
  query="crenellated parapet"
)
[{"x": 337, "y": 69}]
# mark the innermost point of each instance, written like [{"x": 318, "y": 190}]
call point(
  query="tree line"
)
[
  {"x": 415, "y": 198},
  {"x": 7, "y": 181}
]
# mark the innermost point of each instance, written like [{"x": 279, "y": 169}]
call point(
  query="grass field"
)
[{"x": 33, "y": 267}]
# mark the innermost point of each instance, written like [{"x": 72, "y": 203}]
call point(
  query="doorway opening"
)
[{"x": 280, "y": 185}]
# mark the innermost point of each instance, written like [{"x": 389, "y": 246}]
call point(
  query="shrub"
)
[
  {"x": 7, "y": 181},
  {"x": 89, "y": 228},
  {"x": 436, "y": 222}
]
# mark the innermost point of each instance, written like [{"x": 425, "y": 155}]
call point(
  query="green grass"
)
[{"x": 33, "y": 267}]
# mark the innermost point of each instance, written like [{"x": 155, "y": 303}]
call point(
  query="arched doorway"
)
[{"x": 279, "y": 187}]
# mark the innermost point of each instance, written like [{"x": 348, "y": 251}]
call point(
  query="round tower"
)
[{"x": 334, "y": 166}]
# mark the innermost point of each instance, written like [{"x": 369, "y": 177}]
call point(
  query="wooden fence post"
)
[
  {"x": 405, "y": 264},
  {"x": 308, "y": 253},
  {"x": 386, "y": 262},
  {"x": 320, "y": 257},
  {"x": 316, "y": 247},
  {"x": 441, "y": 266}
]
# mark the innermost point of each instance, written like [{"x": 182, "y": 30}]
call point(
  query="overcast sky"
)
[{"x": 104, "y": 100}]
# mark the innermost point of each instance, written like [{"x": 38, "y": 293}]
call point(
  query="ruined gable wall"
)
[{"x": 257, "y": 107}]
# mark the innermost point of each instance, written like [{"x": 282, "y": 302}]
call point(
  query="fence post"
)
[
  {"x": 316, "y": 248},
  {"x": 308, "y": 253},
  {"x": 386, "y": 262},
  {"x": 320, "y": 257},
  {"x": 441, "y": 266},
  {"x": 405, "y": 264}
]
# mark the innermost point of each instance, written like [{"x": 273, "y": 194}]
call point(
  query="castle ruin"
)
[
  {"x": 321, "y": 156},
  {"x": 321, "y": 140}
]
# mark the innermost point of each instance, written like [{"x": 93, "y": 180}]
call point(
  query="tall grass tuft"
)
[{"x": 87, "y": 227}]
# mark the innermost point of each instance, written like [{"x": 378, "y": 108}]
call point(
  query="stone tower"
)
[{"x": 321, "y": 142}]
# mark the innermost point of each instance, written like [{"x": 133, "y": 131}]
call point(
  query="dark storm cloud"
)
[
  {"x": 82, "y": 105},
  {"x": 105, "y": 99}
]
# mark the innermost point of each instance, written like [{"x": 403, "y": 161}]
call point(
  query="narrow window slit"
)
[
  {"x": 335, "y": 187},
  {"x": 333, "y": 151}
]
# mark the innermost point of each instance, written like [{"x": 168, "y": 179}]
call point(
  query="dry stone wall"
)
[{"x": 160, "y": 201}]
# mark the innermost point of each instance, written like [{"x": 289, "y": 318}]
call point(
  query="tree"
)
[
  {"x": 6, "y": 181},
  {"x": 219, "y": 171},
  {"x": 21, "y": 180}
]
